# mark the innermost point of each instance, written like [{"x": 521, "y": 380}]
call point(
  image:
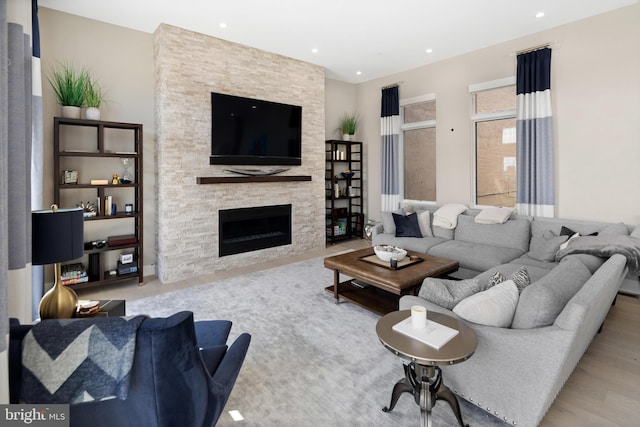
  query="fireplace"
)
[{"x": 249, "y": 229}]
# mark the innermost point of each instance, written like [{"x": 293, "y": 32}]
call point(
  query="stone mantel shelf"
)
[{"x": 246, "y": 179}]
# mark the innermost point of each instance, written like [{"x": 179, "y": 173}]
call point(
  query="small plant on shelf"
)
[
  {"x": 94, "y": 96},
  {"x": 349, "y": 124},
  {"x": 68, "y": 85}
]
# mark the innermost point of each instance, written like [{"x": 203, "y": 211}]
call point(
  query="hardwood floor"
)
[{"x": 603, "y": 391}]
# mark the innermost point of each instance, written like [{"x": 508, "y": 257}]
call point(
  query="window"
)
[
  {"x": 494, "y": 119},
  {"x": 418, "y": 148}
]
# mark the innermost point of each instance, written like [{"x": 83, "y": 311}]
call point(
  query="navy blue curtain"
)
[
  {"x": 534, "y": 133},
  {"x": 390, "y": 131}
]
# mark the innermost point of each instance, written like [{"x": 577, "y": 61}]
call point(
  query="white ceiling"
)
[{"x": 373, "y": 37}]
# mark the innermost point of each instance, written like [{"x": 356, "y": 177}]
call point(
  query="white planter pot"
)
[
  {"x": 92, "y": 113},
  {"x": 346, "y": 137},
  {"x": 70, "y": 112}
]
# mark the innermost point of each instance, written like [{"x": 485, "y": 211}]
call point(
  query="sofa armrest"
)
[{"x": 377, "y": 229}]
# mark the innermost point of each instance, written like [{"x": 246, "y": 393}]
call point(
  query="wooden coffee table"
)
[{"x": 378, "y": 287}]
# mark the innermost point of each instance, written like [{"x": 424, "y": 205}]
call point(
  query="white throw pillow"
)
[
  {"x": 493, "y": 215},
  {"x": 424, "y": 221},
  {"x": 493, "y": 307}
]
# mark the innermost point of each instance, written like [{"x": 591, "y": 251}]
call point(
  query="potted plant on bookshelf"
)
[
  {"x": 69, "y": 89},
  {"x": 349, "y": 124},
  {"x": 94, "y": 97}
]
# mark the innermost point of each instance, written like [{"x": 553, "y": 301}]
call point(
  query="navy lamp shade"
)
[{"x": 57, "y": 236}]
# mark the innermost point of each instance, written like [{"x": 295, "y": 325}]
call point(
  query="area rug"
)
[{"x": 311, "y": 362}]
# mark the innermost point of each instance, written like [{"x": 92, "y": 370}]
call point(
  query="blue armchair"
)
[{"x": 182, "y": 375}]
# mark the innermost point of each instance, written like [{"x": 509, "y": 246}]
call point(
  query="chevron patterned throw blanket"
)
[{"x": 78, "y": 360}]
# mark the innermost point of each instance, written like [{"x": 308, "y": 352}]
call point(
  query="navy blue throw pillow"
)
[
  {"x": 566, "y": 231},
  {"x": 407, "y": 226}
]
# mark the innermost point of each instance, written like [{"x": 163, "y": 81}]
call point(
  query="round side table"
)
[{"x": 423, "y": 377}]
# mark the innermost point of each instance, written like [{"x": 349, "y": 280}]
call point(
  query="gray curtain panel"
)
[
  {"x": 390, "y": 131},
  {"x": 15, "y": 197},
  {"x": 4, "y": 165},
  {"x": 534, "y": 133}
]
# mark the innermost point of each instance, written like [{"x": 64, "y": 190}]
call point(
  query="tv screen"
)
[{"x": 249, "y": 131}]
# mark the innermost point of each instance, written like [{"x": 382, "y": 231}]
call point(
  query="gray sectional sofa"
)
[{"x": 517, "y": 371}]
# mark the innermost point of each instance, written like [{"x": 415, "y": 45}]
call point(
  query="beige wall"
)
[
  {"x": 340, "y": 99},
  {"x": 596, "y": 89},
  {"x": 595, "y": 106},
  {"x": 122, "y": 61}
]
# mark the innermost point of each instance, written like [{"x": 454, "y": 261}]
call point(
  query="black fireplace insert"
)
[{"x": 250, "y": 229}]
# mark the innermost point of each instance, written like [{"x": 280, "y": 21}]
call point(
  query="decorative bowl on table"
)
[
  {"x": 347, "y": 174},
  {"x": 386, "y": 252}
]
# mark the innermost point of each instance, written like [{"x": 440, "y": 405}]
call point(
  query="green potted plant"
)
[
  {"x": 94, "y": 97},
  {"x": 69, "y": 89},
  {"x": 348, "y": 125}
]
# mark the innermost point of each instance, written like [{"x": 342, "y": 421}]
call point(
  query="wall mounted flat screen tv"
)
[{"x": 249, "y": 131}]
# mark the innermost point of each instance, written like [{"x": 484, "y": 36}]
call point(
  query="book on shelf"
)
[
  {"x": 72, "y": 271},
  {"x": 128, "y": 268},
  {"x": 75, "y": 280},
  {"x": 99, "y": 181},
  {"x": 434, "y": 334},
  {"x": 126, "y": 239}
]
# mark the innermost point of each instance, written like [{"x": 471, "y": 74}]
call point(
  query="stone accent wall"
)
[{"x": 188, "y": 67}]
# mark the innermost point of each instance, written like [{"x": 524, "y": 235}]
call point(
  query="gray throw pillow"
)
[
  {"x": 447, "y": 293},
  {"x": 544, "y": 247},
  {"x": 542, "y": 301},
  {"x": 388, "y": 224},
  {"x": 618, "y": 229},
  {"x": 424, "y": 220}
]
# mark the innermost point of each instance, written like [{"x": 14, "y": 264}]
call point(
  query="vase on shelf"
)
[
  {"x": 71, "y": 112},
  {"x": 92, "y": 113}
]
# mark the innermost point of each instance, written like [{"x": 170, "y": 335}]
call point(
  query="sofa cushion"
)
[
  {"x": 544, "y": 246},
  {"x": 535, "y": 273},
  {"x": 493, "y": 307},
  {"x": 475, "y": 256},
  {"x": 493, "y": 215},
  {"x": 407, "y": 226},
  {"x": 512, "y": 234},
  {"x": 447, "y": 293},
  {"x": 444, "y": 233},
  {"x": 542, "y": 301}
]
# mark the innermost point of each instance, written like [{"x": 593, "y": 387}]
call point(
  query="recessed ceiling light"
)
[
  {"x": 358, "y": 72},
  {"x": 223, "y": 25},
  {"x": 314, "y": 50},
  {"x": 429, "y": 50},
  {"x": 539, "y": 14}
]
